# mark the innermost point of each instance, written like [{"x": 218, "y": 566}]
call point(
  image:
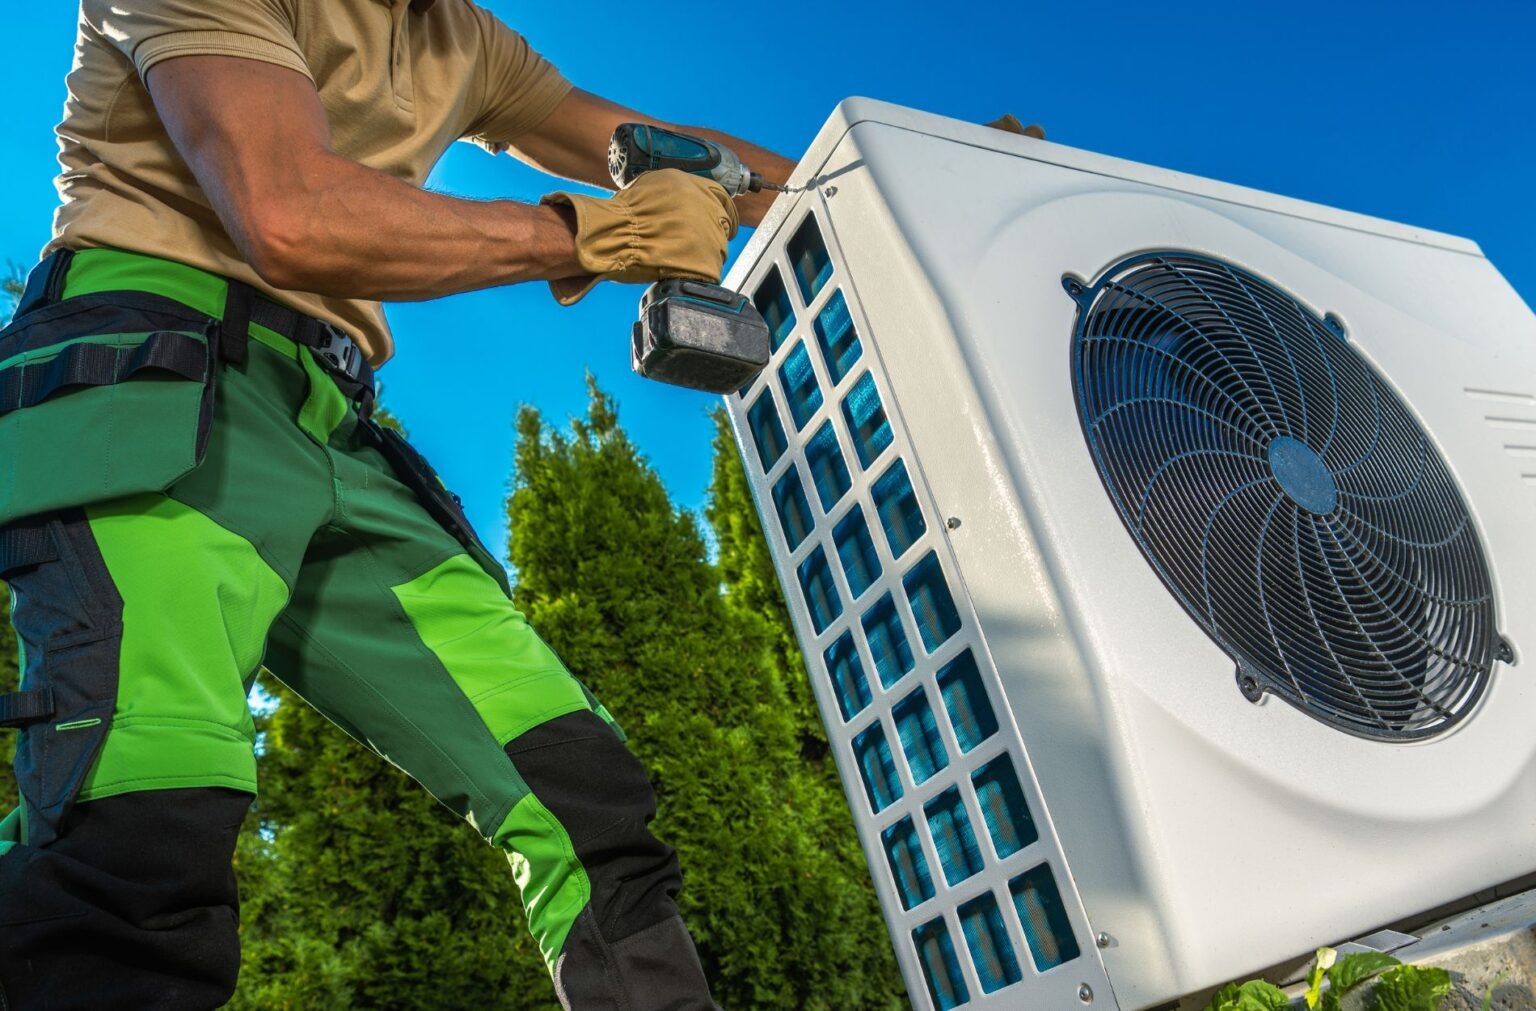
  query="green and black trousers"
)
[{"x": 185, "y": 498}]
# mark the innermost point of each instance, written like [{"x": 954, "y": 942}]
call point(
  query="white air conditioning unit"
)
[{"x": 1162, "y": 552}]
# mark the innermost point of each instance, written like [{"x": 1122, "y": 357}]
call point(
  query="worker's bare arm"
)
[
  {"x": 573, "y": 142},
  {"x": 306, "y": 218}
]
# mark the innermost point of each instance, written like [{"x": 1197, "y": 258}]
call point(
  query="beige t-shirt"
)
[{"x": 400, "y": 80}]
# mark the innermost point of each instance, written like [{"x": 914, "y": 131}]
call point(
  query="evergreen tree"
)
[
  {"x": 617, "y": 580},
  {"x": 754, "y": 595}
]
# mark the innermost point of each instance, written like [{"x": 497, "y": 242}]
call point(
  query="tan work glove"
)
[{"x": 666, "y": 223}]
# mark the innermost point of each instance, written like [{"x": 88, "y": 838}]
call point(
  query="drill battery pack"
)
[{"x": 699, "y": 335}]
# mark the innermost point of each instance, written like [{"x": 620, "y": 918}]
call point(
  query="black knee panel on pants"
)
[
  {"x": 134, "y": 905},
  {"x": 584, "y": 775}
]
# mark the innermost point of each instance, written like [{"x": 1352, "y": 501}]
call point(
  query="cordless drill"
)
[{"x": 691, "y": 333}]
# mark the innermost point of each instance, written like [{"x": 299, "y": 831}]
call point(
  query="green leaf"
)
[
  {"x": 1352, "y": 970},
  {"x": 1320, "y": 964},
  {"x": 1254, "y": 995},
  {"x": 1412, "y": 988}
]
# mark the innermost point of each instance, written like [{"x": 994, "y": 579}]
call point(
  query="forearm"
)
[{"x": 350, "y": 231}]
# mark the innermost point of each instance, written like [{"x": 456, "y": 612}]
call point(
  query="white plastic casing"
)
[{"x": 1196, "y": 837}]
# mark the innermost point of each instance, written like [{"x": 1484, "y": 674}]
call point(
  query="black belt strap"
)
[
  {"x": 45, "y": 283},
  {"x": 235, "y": 327},
  {"x": 19, "y": 708},
  {"x": 87, "y": 364},
  {"x": 335, "y": 350}
]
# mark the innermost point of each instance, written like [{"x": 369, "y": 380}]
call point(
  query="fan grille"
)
[{"x": 1285, "y": 495}]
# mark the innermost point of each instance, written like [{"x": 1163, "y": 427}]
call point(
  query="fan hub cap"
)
[{"x": 1303, "y": 475}]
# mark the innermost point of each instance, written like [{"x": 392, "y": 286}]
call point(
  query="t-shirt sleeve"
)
[
  {"x": 520, "y": 88},
  {"x": 148, "y": 31}
]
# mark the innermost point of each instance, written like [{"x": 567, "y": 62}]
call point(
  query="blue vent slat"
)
[
  {"x": 919, "y": 735},
  {"x": 772, "y": 301},
  {"x": 992, "y": 953},
  {"x": 868, "y": 425},
  {"x": 828, "y": 471},
  {"x": 900, "y": 514},
  {"x": 941, "y": 969},
  {"x": 953, "y": 838},
  {"x": 801, "y": 391},
  {"x": 1001, "y": 800},
  {"x": 932, "y": 604},
  {"x": 856, "y": 549},
  {"x": 767, "y": 432},
  {"x": 847, "y": 674},
  {"x": 887, "y": 641},
  {"x": 877, "y": 768},
  {"x": 821, "y": 597},
  {"x": 1043, "y": 917},
  {"x": 840, "y": 346},
  {"x": 808, "y": 259},
  {"x": 794, "y": 511},
  {"x": 970, "y": 712},
  {"x": 909, "y": 867}
]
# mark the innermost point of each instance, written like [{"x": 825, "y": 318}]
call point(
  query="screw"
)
[
  {"x": 1249, "y": 686},
  {"x": 830, "y": 191},
  {"x": 1506, "y": 652},
  {"x": 1101, "y": 939},
  {"x": 1085, "y": 993},
  {"x": 953, "y": 523}
]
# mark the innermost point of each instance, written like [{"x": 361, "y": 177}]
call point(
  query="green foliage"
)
[
  {"x": 1352, "y": 970},
  {"x": 11, "y": 287},
  {"x": 1254, "y": 995},
  {"x": 1399, "y": 988},
  {"x": 1412, "y": 988},
  {"x": 617, "y": 580}
]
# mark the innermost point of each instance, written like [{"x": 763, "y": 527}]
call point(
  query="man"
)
[{"x": 185, "y": 396}]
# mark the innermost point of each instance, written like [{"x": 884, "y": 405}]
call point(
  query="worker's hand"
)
[{"x": 666, "y": 223}]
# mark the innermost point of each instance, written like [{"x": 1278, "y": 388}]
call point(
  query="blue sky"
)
[{"x": 1411, "y": 111}]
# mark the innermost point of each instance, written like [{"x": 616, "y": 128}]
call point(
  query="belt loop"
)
[
  {"x": 235, "y": 328},
  {"x": 45, "y": 282}
]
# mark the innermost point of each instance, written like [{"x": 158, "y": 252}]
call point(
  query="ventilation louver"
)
[{"x": 1284, "y": 494}]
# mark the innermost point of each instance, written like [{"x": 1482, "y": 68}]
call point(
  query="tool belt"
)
[
  {"x": 336, "y": 351},
  {"x": 111, "y": 393}
]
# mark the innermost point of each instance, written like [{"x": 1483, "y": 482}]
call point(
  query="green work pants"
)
[{"x": 275, "y": 525}]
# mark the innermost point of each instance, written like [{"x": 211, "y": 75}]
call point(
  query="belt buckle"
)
[{"x": 339, "y": 351}]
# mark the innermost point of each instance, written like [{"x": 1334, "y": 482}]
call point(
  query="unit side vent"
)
[{"x": 954, "y": 831}]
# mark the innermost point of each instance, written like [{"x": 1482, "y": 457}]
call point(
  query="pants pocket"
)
[
  {"x": 99, "y": 400},
  {"x": 68, "y": 618}
]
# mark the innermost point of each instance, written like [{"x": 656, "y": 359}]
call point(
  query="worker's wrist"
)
[{"x": 551, "y": 244}]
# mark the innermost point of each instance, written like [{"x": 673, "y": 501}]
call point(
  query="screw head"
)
[
  {"x": 1506, "y": 651},
  {"x": 1249, "y": 686},
  {"x": 830, "y": 191},
  {"x": 1085, "y": 993},
  {"x": 1101, "y": 939},
  {"x": 953, "y": 523}
]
